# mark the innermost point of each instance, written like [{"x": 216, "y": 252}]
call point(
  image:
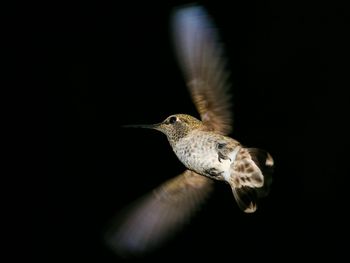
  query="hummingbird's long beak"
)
[{"x": 144, "y": 126}]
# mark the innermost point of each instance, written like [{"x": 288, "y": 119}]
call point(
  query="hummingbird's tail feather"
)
[
  {"x": 266, "y": 165},
  {"x": 245, "y": 198},
  {"x": 251, "y": 177}
]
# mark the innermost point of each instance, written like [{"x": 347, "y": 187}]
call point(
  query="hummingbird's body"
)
[
  {"x": 201, "y": 145},
  {"x": 218, "y": 157},
  {"x": 225, "y": 159},
  {"x": 199, "y": 151}
]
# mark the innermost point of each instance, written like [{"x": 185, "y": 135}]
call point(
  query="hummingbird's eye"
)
[{"x": 172, "y": 120}]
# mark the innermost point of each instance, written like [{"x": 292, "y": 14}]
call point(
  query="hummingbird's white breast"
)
[{"x": 198, "y": 151}]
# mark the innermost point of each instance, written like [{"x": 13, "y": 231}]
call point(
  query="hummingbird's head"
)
[
  {"x": 178, "y": 126},
  {"x": 175, "y": 126}
]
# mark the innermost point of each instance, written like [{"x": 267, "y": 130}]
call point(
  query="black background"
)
[{"x": 113, "y": 64}]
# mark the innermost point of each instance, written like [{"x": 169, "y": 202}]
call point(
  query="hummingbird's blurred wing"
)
[
  {"x": 154, "y": 218},
  {"x": 201, "y": 59}
]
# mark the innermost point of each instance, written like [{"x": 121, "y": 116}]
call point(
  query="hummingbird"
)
[{"x": 202, "y": 145}]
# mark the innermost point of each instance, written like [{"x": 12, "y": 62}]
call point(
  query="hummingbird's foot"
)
[
  {"x": 223, "y": 151},
  {"x": 222, "y": 157},
  {"x": 213, "y": 172}
]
